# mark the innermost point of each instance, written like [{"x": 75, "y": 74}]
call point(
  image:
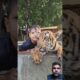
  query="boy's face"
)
[
  {"x": 33, "y": 35},
  {"x": 11, "y": 24},
  {"x": 56, "y": 69}
]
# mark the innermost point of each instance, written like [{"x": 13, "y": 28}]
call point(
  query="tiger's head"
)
[{"x": 46, "y": 40}]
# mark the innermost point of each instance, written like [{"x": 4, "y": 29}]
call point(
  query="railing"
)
[{"x": 53, "y": 28}]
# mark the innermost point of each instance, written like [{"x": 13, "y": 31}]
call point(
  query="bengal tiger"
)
[{"x": 46, "y": 42}]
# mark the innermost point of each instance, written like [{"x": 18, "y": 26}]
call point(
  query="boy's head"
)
[
  {"x": 56, "y": 68},
  {"x": 34, "y": 33}
]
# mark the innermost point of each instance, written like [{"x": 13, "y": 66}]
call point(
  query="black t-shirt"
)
[
  {"x": 8, "y": 53},
  {"x": 53, "y": 77},
  {"x": 27, "y": 45}
]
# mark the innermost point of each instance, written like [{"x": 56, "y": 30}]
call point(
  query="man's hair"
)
[
  {"x": 8, "y": 6},
  {"x": 56, "y": 63}
]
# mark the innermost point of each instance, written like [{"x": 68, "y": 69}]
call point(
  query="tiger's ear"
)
[{"x": 58, "y": 33}]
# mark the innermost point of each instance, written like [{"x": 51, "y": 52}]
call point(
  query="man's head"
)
[
  {"x": 56, "y": 68},
  {"x": 10, "y": 19}
]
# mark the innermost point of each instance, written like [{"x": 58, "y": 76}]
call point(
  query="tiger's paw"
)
[{"x": 37, "y": 61}]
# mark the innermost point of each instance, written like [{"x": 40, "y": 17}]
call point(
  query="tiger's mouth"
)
[
  {"x": 49, "y": 48},
  {"x": 49, "y": 44},
  {"x": 43, "y": 49}
]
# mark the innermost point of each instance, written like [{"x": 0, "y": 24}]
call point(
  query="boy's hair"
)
[
  {"x": 56, "y": 63},
  {"x": 28, "y": 30},
  {"x": 32, "y": 27},
  {"x": 7, "y": 7}
]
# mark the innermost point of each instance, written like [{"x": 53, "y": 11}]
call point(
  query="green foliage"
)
[
  {"x": 42, "y": 12},
  {"x": 22, "y": 13}
]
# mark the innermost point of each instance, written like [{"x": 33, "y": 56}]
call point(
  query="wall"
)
[{"x": 27, "y": 70}]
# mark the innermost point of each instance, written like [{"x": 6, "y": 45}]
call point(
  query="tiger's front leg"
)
[
  {"x": 60, "y": 53},
  {"x": 36, "y": 56}
]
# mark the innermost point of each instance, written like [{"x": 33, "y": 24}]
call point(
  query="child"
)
[{"x": 31, "y": 42}]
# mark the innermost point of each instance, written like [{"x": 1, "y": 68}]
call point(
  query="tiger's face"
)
[{"x": 47, "y": 40}]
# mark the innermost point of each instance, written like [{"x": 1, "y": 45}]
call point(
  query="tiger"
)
[{"x": 48, "y": 42}]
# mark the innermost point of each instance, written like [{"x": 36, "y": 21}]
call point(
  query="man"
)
[
  {"x": 8, "y": 41},
  {"x": 56, "y": 72}
]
